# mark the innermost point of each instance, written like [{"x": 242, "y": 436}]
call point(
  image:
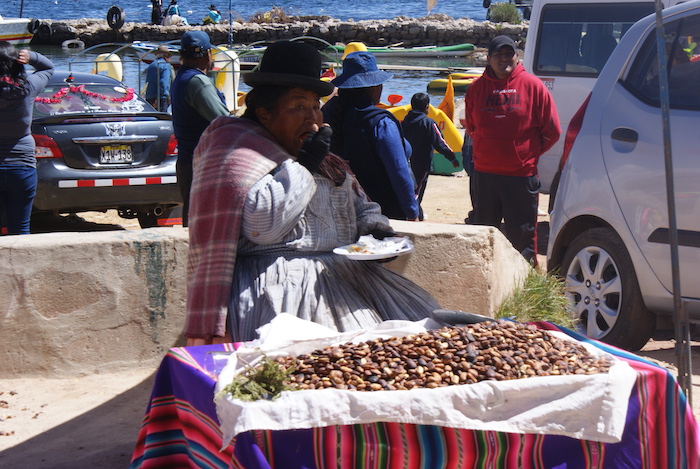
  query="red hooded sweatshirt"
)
[{"x": 511, "y": 122}]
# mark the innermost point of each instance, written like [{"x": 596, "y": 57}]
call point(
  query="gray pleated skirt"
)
[{"x": 327, "y": 289}]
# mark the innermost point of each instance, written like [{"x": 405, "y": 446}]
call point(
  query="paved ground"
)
[{"x": 93, "y": 421}]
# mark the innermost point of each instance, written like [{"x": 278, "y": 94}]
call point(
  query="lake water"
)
[
  {"x": 194, "y": 11},
  {"x": 404, "y": 82}
]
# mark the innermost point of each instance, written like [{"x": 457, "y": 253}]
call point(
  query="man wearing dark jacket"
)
[
  {"x": 195, "y": 103},
  {"x": 424, "y": 135}
]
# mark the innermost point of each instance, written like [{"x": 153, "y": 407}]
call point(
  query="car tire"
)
[{"x": 602, "y": 286}]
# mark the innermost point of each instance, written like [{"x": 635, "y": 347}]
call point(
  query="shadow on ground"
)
[
  {"x": 50, "y": 223},
  {"x": 101, "y": 438}
]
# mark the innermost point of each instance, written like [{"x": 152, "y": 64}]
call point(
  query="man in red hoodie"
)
[{"x": 512, "y": 120}]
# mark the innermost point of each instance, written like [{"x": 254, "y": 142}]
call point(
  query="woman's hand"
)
[
  {"x": 315, "y": 148},
  {"x": 23, "y": 57}
]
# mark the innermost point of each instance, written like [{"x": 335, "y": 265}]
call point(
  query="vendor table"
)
[{"x": 181, "y": 429}]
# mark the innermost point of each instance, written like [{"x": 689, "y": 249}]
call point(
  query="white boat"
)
[{"x": 17, "y": 31}]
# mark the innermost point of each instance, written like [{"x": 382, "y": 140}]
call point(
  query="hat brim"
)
[
  {"x": 362, "y": 80},
  {"x": 323, "y": 88}
]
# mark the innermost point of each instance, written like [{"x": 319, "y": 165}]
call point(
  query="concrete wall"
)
[{"x": 82, "y": 303}]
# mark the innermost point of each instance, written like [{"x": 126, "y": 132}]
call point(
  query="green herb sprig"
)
[{"x": 266, "y": 381}]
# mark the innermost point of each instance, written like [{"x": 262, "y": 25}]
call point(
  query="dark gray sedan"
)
[{"x": 100, "y": 146}]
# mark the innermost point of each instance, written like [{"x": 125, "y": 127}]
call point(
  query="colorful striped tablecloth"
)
[{"x": 181, "y": 429}]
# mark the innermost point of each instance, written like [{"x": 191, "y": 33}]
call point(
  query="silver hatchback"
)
[{"x": 609, "y": 234}]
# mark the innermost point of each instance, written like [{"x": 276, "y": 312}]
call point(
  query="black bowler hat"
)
[{"x": 290, "y": 63}]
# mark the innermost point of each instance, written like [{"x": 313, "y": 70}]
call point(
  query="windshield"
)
[{"x": 64, "y": 98}]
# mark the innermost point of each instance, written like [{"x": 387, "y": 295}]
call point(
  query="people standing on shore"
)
[
  {"x": 370, "y": 138},
  {"x": 159, "y": 76},
  {"x": 156, "y": 11},
  {"x": 269, "y": 205},
  {"x": 173, "y": 16},
  {"x": 512, "y": 120},
  {"x": 195, "y": 103},
  {"x": 424, "y": 135},
  {"x": 18, "y": 177}
]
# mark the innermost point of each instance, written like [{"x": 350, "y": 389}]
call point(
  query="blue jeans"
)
[{"x": 17, "y": 191}]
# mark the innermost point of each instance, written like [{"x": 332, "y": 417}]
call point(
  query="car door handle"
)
[{"x": 625, "y": 135}]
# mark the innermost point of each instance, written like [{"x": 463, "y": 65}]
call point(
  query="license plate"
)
[{"x": 116, "y": 154}]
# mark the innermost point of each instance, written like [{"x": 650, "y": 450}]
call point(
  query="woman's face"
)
[{"x": 297, "y": 114}]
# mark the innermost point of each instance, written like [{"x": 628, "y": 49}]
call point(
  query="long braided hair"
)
[
  {"x": 268, "y": 97},
  {"x": 13, "y": 78}
]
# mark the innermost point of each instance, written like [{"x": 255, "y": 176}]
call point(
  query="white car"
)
[{"x": 609, "y": 229}]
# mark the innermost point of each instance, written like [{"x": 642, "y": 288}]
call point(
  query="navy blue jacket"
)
[
  {"x": 378, "y": 159},
  {"x": 424, "y": 135}
]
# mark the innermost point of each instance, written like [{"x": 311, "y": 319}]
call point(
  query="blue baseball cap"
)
[
  {"x": 195, "y": 44},
  {"x": 360, "y": 71}
]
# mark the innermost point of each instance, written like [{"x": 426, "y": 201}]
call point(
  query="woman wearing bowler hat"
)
[
  {"x": 370, "y": 138},
  {"x": 269, "y": 204}
]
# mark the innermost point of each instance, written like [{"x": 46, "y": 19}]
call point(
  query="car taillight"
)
[
  {"x": 172, "y": 146},
  {"x": 46, "y": 147},
  {"x": 572, "y": 131}
]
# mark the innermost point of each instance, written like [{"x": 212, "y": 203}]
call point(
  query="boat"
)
[
  {"x": 458, "y": 50},
  {"x": 460, "y": 81},
  {"x": 18, "y": 31}
]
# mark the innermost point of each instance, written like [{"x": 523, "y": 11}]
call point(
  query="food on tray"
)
[
  {"x": 494, "y": 350},
  {"x": 360, "y": 248}
]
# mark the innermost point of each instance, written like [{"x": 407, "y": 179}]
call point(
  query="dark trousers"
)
[
  {"x": 160, "y": 104},
  {"x": 183, "y": 170},
  {"x": 513, "y": 200},
  {"x": 17, "y": 191},
  {"x": 421, "y": 184}
]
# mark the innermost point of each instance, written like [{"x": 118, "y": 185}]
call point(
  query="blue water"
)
[
  {"x": 404, "y": 83},
  {"x": 194, "y": 11}
]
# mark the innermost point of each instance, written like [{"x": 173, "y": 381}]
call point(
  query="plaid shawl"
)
[{"x": 232, "y": 155}]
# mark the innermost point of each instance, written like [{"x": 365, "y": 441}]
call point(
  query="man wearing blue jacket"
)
[{"x": 424, "y": 135}]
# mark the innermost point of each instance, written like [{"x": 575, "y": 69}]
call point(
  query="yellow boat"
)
[
  {"x": 453, "y": 137},
  {"x": 460, "y": 81}
]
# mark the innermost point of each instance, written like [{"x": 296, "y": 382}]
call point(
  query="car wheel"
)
[{"x": 602, "y": 286}]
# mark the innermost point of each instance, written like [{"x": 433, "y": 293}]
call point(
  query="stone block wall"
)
[
  {"x": 440, "y": 30},
  {"x": 84, "y": 303}
]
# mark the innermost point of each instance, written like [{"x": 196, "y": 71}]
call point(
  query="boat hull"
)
[
  {"x": 459, "y": 50},
  {"x": 15, "y": 31}
]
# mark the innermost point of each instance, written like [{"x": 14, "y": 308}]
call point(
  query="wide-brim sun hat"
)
[
  {"x": 162, "y": 51},
  {"x": 360, "y": 71},
  {"x": 290, "y": 63}
]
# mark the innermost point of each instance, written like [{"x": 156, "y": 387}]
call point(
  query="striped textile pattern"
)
[{"x": 181, "y": 430}]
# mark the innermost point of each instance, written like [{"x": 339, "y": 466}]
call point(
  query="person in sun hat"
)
[
  {"x": 512, "y": 120},
  {"x": 159, "y": 76},
  {"x": 195, "y": 103},
  {"x": 370, "y": 138},
  {"x": 269, "y": 203}
]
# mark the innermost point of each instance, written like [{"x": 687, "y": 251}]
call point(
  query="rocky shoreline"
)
[{"x": 433, "y": 30}]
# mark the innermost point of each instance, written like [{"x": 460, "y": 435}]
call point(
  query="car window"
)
[
  {"x": 576, "y": 40},
  {"x": 683, "y": 66},
  {"x": 64, "y": 98}
]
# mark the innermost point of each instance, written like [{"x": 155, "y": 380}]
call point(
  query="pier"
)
[{"x": 436, "y": 30}]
